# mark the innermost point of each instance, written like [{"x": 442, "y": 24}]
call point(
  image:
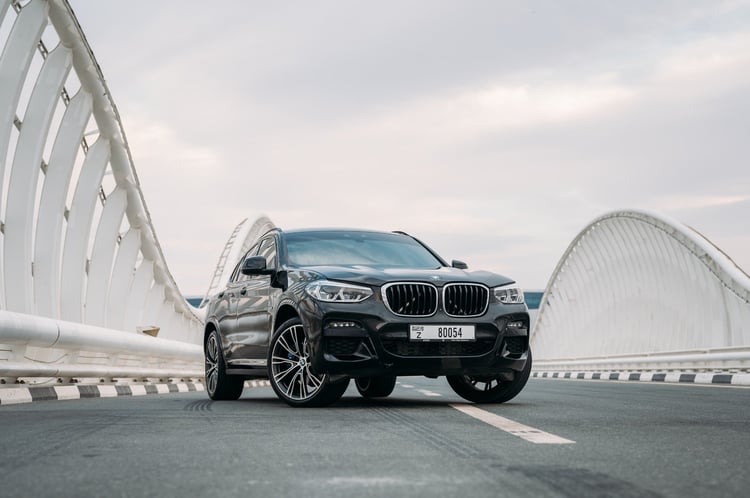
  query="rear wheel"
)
[
  {"x": 490, "y": 388},
  {"x": 290, "y": 375},
  {"x": 219, "y": 385},
  {"x": 376, "y": 387}
]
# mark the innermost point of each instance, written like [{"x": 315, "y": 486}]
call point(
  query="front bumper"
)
[{"x": 366, "y": 339}]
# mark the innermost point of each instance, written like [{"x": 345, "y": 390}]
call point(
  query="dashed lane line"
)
[{"x": 511, "y": 427}]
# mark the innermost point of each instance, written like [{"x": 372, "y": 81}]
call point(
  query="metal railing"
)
[{"x": 84, "y": 351}]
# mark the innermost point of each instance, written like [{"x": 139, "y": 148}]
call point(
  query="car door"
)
[
  {"x": 225, "y": 310},
  {"x": 254, "y": 309}
]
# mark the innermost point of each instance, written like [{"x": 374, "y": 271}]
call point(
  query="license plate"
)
[{"x": 441, "y": 332}]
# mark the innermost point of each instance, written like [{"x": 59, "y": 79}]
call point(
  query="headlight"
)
[
  {"x": 336, "y": 292},
  {"x": 509, "y": 294}
]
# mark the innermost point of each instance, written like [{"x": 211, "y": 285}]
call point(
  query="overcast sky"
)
[{"x": 494, "y": 131}]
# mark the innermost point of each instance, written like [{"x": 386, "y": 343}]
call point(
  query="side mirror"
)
[
  {"x": 255, "y": 265},
  {"x": 459, "y": 264}
]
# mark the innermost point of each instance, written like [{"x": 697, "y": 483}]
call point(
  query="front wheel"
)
[
  {"x": 376, "y": 387},
  {"x": 289, "y": 369},
  {"x": 490, "y": 388}
]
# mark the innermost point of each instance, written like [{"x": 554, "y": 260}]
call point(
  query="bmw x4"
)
[{"x": 312, "y": 309}]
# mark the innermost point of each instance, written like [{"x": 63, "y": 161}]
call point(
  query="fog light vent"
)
[
  {"x": 515, "y": 345},
  {"x": 342, "y": 346}
]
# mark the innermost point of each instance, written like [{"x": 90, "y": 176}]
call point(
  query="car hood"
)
[{"x": 378, "y": 276}]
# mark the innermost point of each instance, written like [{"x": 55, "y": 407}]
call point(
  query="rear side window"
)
[
  {"x": 237, "y": 274},
  {"x": 268, "y": 251}
]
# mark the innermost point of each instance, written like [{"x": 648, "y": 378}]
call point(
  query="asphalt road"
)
[{"x": 594, "y": 438}]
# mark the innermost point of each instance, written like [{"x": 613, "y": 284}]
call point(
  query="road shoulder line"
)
[
  {"x": 29, "y": 394},
  {"x": 708, "y": 378}
]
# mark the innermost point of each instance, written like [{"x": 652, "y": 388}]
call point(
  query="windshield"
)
[{"x": 338, "y": 248}]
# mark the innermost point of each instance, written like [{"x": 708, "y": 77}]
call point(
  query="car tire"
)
[
  {"x": 376, "y": 387},
  {"x": 480, "y": 389},
  {"x": 219, "y": 385},
  {"x": 289, "y": 370}
]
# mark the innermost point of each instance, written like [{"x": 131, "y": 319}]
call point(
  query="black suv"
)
[{"x": 311, "y": 309}]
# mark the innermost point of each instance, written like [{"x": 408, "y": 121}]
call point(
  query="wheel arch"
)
[
  {"x": 210, "y": 327},
  {"x": 286, "y": 311}
]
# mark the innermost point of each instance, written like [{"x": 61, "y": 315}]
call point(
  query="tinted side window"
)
[
  {"x": 236, "y": 271},
  {"x": 237, "y": 274},
  {"x": 268, "y": 251}
]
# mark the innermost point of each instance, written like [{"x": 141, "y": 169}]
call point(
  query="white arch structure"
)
[
  {"x": 81, "y": 269},
  {"x": 242, "y": 238},
  {"x": 639, "y": 291}
]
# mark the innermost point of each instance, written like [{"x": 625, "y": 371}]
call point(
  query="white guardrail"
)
[
  {"x": 726, "y": 359},
  {"x": 99, "y": 353}
]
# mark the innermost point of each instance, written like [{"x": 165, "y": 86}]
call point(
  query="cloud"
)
[
  {"x": 707, "y": 58},
  {"x": 494, "y": 133},
  {"x": 679, "y": 202},
  {"x": 501, "y": 107},
  {"x": 158, "y": 142}
]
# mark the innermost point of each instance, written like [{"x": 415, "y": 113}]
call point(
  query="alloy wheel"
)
[
  {"x": 493, "y": 388},
  {"x": 212, "y": 364},
  {"x": 482, "y": 384},
  {"x": 290, "y": 365}
]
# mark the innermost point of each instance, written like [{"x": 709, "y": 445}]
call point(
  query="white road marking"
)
[
  {"x": 408, "y": 386},
  {"x": 258, "y": 383},
  {"x": 523, "y": 431},
  {"x": 107, "y": 392},
  {"x": 67, "y": 392},
  {"x": 14, "y": 395},
  {"x": 428, "y": 393},
  {"x": 704, "y": 378},
  {"x": 672, "y": 377}
]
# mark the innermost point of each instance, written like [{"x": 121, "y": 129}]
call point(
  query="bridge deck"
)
[{"x": 630, "y": 439}]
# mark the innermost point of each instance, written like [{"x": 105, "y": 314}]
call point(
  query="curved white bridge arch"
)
[
  {"x": 81, "y": 269},
  {"x": 242, "y": 238},
  {"x": 637, "y": 290}
]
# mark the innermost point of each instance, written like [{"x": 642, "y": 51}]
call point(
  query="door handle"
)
[{"x": 243, "y": 291}]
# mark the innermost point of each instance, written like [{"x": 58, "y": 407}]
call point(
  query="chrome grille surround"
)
[
  {"x": 411, "y": 299},
  {"x": 465, "y": 299}
]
